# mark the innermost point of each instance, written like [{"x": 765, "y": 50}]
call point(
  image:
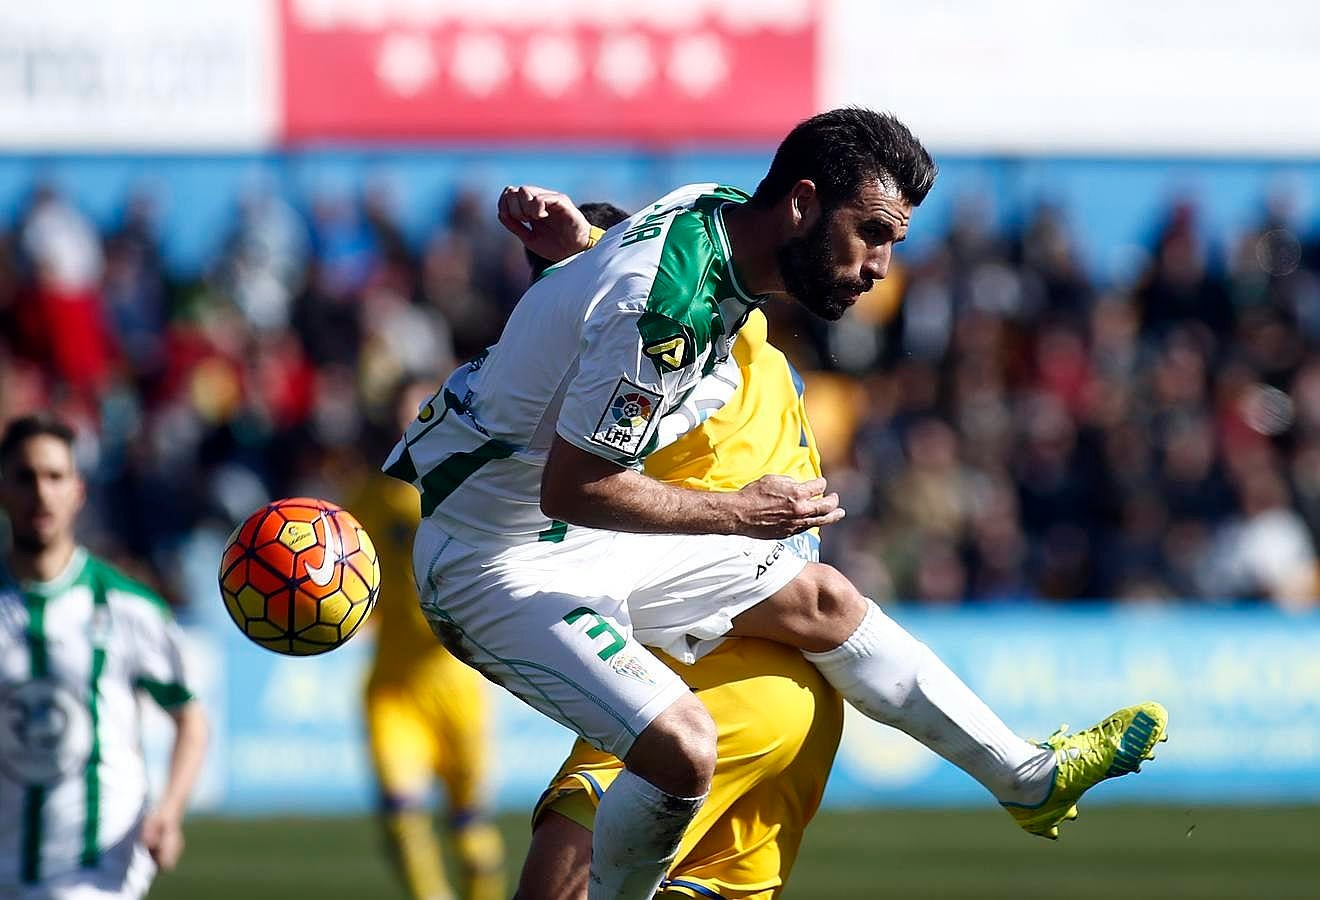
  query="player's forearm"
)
[
  {"x": 190, "y": 736},
  {"x": 581, "y": 489},
  {"x": 630, "y": 501}
]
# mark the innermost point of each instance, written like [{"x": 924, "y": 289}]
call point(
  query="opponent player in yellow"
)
[
  {"x": 426, "y": 712},
  {"x": 779, "y": 722}
]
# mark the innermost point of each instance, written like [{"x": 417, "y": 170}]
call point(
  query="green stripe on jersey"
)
[
  {"x": 693, "y": 277},
  {"x": 555, "y": 533},
  {"x": 165, "y": 694},
  {"x": 403, "y": 468},
  {"x": 91, "y": 852},
  {"x": 34, "y": 798},
  {"x": 36, "y": 635},
  {"x": 444, "y": 479},
  {"x": 682, "y": 301}
]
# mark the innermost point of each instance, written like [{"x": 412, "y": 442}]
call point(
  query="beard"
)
[
  {"x": 28, "y": 542},
  {"x": 806, "y": 266}
]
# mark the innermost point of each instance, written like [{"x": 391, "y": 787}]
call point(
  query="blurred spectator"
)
[{"x": 61, "y": 323}]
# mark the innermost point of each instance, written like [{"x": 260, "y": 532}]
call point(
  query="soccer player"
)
[
  {"x": 80, "y": 643},
  {"x": 778, "y": 721},
  {"x": 427, "y": 713},
  {"x": 550, "y": 562}
]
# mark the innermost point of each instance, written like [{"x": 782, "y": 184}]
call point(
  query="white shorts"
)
[
  {"x": 124, "y": 872},
  {"x": 562, "y": 625}
]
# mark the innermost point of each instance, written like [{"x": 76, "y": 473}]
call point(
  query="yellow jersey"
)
[{"x": 762, "y": 430}]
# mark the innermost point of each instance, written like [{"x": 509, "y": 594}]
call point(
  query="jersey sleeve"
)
[
  {"x": 635, "y": 367},
  {"x": 160, "y": 668}
]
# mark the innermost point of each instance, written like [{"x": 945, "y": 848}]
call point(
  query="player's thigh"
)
[
  {"x": 543, "y": 622},
  {"x": 403, "y": 747},
  {"x": 693, "y": 586}
]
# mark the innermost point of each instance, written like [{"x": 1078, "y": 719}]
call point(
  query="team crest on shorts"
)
[
  {"x": 630, "y": 666},
  {"x": 627, "y": 418}
]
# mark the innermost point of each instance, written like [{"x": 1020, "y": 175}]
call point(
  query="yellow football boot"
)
[{"x": 1116, "y": 746}]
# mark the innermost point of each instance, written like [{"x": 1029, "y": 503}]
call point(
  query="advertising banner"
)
[
  {"x": 137, "y": 74},
  {"x": 1242, "y": 688},
  {"x": 580, "y": 69},
  {"x": 1039, "y": 77}
]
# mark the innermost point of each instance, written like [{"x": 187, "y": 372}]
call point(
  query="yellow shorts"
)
[
  {"x": 779, "y": 725},
  {"x": 430, "y": 724}
]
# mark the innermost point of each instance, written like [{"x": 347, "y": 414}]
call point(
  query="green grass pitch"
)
[{"x": 1158, "y": 852}]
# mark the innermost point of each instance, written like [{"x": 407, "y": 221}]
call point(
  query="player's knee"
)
[
  {"x": 830, "y": 609},
  {"x": 676, "y": 752}
]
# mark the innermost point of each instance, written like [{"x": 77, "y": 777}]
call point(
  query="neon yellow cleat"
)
[{"x": 1116, "y": 746}]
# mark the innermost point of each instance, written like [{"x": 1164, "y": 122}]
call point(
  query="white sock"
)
[
  {"x": 893, "y": 678},
  {"x": 635, "y": 837}
]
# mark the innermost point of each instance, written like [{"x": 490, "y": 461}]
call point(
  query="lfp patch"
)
[{"x": 627, "y": 418}]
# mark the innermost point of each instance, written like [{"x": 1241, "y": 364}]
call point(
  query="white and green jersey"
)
[
  {"x": 76, "y": 653},
  {"x": 597, "y": 351}
]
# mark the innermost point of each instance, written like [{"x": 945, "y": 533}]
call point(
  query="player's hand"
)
[
  {"x": 162, "y": 835},
  {"x": 546, "y": 221},
  {"x": 776, "y": 506}
]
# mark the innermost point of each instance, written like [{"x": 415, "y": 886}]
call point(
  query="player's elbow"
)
[
  {"x": 191, "y": 722},
  {"x": 554, "y": 504},
  {"x": 562, "y": 499},
  {"x": 575, "y": 485}
]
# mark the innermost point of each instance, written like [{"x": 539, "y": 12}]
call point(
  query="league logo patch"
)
[
  {"x": 627, "y": 418},
  {"x": 630, "y": 666}
]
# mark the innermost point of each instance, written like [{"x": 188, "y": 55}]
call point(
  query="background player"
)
[
  {"x": 79, "y": 643},
  {"x": 778, "y": 721},
  {"x": 427, "y": 714}
]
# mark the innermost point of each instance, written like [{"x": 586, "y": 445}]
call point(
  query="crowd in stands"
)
[{"x": 1001, "y": 427}]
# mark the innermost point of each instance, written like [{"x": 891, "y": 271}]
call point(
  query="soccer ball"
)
[{"x": 299, "y": 576}]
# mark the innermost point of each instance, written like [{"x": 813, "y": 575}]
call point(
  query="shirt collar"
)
[
  {"x": 61, "y": 581},
  {"x": 733, "y": 310}
]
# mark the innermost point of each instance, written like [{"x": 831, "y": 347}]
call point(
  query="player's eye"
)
[{"x": 877, "y": 234}]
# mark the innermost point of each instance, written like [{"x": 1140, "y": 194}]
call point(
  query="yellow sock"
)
[
  {"x": 417, "y": 854},
  {"x": 481, "y": 853}
]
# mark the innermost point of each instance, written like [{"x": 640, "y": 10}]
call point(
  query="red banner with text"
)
[{"x": 519, "y": 69}]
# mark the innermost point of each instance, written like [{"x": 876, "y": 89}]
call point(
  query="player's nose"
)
[{"x": 876, "y": 266}]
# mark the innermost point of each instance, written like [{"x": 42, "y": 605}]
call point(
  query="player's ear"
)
[{"x": 803, "y": 205}]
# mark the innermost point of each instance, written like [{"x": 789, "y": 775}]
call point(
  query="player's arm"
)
[
  {"x": 162, "y": 830},
  {"x": 582, "y": 488},
  {"x": 161, "y": 673}
]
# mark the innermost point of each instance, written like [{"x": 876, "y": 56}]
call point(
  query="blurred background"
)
[{"x": 1077, "y": 430}]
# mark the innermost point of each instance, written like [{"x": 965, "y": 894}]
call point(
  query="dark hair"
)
[
  {"x": 602, "y": 215},
  {"x": 842, "y": 148},
  {"x": 24, "y": 429}
]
